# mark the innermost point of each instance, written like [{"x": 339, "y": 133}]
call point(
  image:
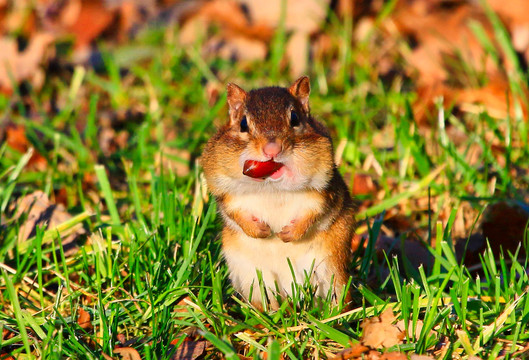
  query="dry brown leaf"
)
[
  {"x": 42, "y": 212},
  {"x": 380, "y": 331},
  {"x": 16, "y": 65},
  {"x": 128, "y": 353},
  {"x": 84, "y": 319},
  {"x": 190, "y": 350}
]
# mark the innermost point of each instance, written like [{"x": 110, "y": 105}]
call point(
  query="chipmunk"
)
[{"x": 272, "y": 172}]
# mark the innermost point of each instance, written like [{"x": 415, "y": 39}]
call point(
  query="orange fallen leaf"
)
[
  {"x": 127, "y": 353},
  {"x": 84, "y": 319},
  {"x": 190, "y": 350},
  {"x": 6, "y": 334},
  {"x": 17, "y": 140},
  {"x": 363, "y": 184},
  {"x": 16, "y": 65},
  {"x": 92, "y": 19},
  {"x": 380, "y": 332},
  {"x": 181, "y": 307},
  {"x": 351, "y": 353},
  {"x": 495, "y": 97}
]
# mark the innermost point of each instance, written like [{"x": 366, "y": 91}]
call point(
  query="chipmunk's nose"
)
[{"x": 272, "y": 149}]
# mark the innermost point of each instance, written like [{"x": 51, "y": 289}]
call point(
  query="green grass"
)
[{"x": 149, "y": 266}]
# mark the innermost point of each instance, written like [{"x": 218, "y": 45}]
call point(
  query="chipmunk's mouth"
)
[{"x": 261, "y": 170}]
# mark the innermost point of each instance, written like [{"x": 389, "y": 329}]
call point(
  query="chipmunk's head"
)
[{"x": 272, "y": 143}]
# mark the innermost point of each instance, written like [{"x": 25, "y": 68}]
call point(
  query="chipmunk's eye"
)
[
  {"x": 244, "y": 124},
  {"x": 294, "y": 118}
]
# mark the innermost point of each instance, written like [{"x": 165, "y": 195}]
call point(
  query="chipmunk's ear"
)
[
  {"x": 301, "y": 90},
  {"x": 236, "y": 98}
]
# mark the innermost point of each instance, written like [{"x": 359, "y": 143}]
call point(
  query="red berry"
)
[{"x": 260, "y": 169}]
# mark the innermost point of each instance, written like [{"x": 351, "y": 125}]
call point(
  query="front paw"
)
[
  {"x": 292, "y": 232},
  {"x": 257, "y": 229}
]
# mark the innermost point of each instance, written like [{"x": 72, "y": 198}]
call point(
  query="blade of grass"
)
[
  {"x": 5, "y": 195},
  {"x": 17, "y": 311},
  {"x": 107, "y": 193}
]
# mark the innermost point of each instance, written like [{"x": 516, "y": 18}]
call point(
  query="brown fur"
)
[{"x": 308, "y": 209}]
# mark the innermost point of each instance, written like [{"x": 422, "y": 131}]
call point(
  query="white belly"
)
[
  {"x": 276, "y": 209},
  {"x": 271, "y": 257}
]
